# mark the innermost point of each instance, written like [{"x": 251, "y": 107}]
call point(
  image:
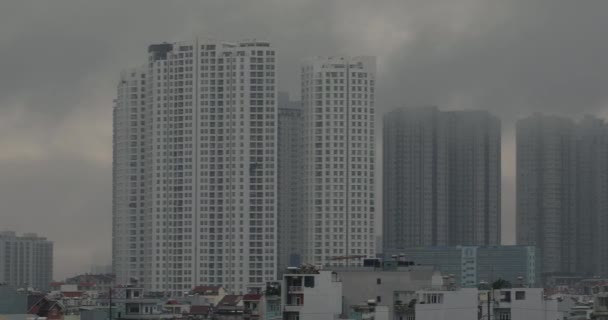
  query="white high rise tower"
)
[
  {"x": 339, "y": 137},
  {"x": 195, "y": 167}
]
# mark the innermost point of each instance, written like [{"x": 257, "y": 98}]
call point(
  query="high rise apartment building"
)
[
  {"x": 195, "y": 140},
  {"x": 591, "y": 216},
  {"x": 546, "y": 190},
  {"x": 562, "y": 182},
  {"x": 339, "y": 159},
  {"x": 290, "y": 179},
  {"x": 474, "y": 183},
  {"x": 441, "y": 178},
  {"x": 129, "y": 175},
  {"x": 26, "y": 261}
]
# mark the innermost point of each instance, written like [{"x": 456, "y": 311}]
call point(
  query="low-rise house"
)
[
  {"x": 252, "y": 305},
  {"x": 369, "y": 311},
  {"x": 385, "y": 282},
  {"x": 130, "y": 303},
  {"x": 471, "y": 303},
  {"x": 264, "y": 306},
  {"x": 459, "y": 304},
  {"x": 230, "y": 308},
  {"x": 600, "y": 303},
  {"x": 213, "y": 293},
  {"x": 521, "y": 304},
  {"x": 310, "y": 294},
  {"x": 199, "y": 312},
  {"x": 92, "y": 282},
  {"x": 41, "y": 305}
]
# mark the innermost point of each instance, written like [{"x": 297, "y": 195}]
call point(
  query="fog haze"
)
[{"x": 61, "y": 61}]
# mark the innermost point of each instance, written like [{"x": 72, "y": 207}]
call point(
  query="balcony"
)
[
  {"x": 295, "y": 289},
  {"x": 252, "y": 312}
]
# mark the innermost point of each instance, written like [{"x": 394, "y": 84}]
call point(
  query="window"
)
[
  {"x": 433, "y": 298},
  {"x": 504, "y": 315},
  {"x": 520, "y": 295},
  {"x": 134, "y": 308},
  {"x": 309, "y": 282},
  {"x": 378, "y": 299},
  {"x": 378, "y": 281}
]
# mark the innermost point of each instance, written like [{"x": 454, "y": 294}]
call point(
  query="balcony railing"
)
[{"x": 295, "y": 288}]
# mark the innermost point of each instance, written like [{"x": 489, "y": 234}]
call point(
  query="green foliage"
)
[{"x": 501, "y": 284}]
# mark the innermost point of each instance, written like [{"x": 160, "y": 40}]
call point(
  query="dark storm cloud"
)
[{"x": 60, "y": 61}]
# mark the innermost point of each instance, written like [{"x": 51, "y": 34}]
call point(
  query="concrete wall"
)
[
  {"x": 321, "y": 302},
  {"x": 324, "y": 301},
  {"x": 362, "y": 285},
  {"x": 534, "y": 306},
  {"x": 456, "y": 305}
]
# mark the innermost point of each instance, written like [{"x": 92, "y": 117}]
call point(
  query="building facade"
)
[
  {"x": 195, "y": 140},
  {"x": 339, "y": 158},
  {"x": 129, "y": 175},
  {"x": 26, "y": 261},
  {"x": 470, "y": 303},
  {"x": 441, "y": 178},
  {"x": 385, "y": 284},
  {"x": 415, "y": 184},
  {"x": 290, "y": 182},
  {"x": 471, "y": 265},
  {"x": 311, "y": 295},
  {"x": 562, "y": 180},
  {"x": 591, "y": 188},
  {"x": 545, "y": 190}
]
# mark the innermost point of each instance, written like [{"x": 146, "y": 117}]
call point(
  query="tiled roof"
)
[
  {"x": 200, "y": 309},
  {"x": 206, "y": 290},
  {"x": 252, "y": 297},
  {"x": 230, "y": 300}
]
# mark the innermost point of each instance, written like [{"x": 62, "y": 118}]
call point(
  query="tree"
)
[{"x": 501, "y": 284}]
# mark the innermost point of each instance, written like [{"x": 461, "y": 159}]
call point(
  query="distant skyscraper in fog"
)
[
  {"x": 562, "y": 183},
  {"x": 195, "y": 167},
  {"x": 441, "y": 178},
  {"x": 290, "y": 182},
  {"x": 546, "y": 190},
  {"x": 26, "y": 261},
  {"x": 339, "y": 155}
]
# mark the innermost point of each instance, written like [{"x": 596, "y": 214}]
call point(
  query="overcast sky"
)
[{"x": 60, "y": 61}]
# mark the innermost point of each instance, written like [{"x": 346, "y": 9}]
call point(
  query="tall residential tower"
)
[
  {"x": 546, "y": 190},
  {"x": 339, "y": 155},
  {"x": 562, "y": 182},
  {"x": 441, "y": 178},
  {"x": 26, "y": 261},
  {"x": 195, "y": 167},
  {"x": 290, "y": 182}
]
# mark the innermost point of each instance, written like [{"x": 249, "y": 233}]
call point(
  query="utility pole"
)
[
  {"x": 110, "y": 304},
  {"x": 489, "y": 314}
]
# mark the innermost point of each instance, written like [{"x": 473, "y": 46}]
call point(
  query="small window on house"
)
[
  {"x": 432, "y": 298},
  {"x": 134, "y": 309},
  {"x": 309, "y": 282},
  {"x": 378, "y": 299},
  {"x": 378, "y": 281},
  {"x": 520, "y": 295}
]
